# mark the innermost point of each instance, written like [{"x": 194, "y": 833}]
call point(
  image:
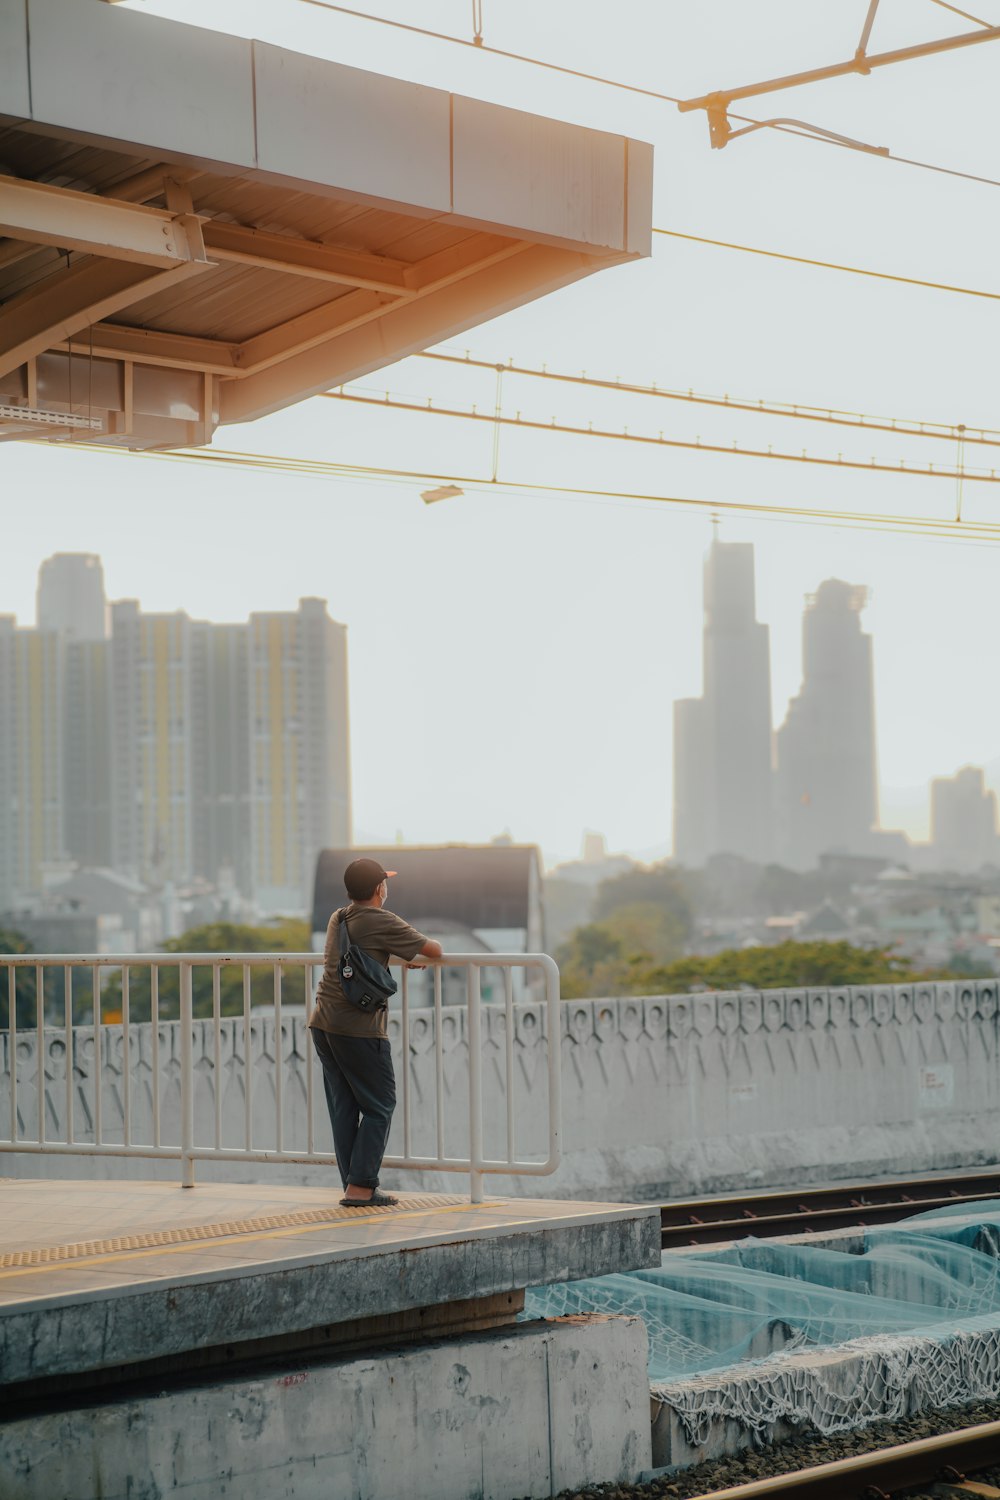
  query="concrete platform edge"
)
[{"x": 124, "y": 1324}]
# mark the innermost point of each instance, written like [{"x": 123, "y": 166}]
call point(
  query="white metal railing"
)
[{"x": 32, "y": 983}]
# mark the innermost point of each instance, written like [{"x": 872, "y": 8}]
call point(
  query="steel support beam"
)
[
  {"x": 280, "y": 252},
  {"x": 860, "y": 63},
  {"x": 73, "y": 299},
  {"x": 403, "y": 328},
  {"x": 311, "y": 329},
  {"x": 171, "y": 351},
  {"x": 465, "y": 259},
  {"x": 43, "y": 215}
]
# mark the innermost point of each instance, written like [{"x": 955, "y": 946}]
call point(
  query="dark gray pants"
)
[{"x": 361, "y": 1096}]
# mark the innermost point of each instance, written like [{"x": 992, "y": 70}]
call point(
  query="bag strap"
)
[{"x": 343, "y": 934}]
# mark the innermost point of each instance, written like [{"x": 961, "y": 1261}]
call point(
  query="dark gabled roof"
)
[{"x": 475, "y": 885}]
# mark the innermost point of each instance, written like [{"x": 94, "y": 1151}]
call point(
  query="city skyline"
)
[
  {"x": 84, "y": 811},
  {"x": 553, "y": 600},
  {"x": 170, "y": 749},
  {"x": 790, "y": 792}
]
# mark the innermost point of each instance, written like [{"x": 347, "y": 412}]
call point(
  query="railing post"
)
[
  {"x": 187, "y": 1079},
  {"x": 474, "y": 1034},
  {"x": 553, "y": 1015}
]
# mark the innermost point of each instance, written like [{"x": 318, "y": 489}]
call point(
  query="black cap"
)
[{"x": 363, "y": 877}]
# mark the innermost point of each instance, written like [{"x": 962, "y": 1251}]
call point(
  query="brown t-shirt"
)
[{"x": 380, "y": 933}]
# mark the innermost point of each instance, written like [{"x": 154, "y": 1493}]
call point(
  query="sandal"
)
[{"x": 377, "y": 1200}]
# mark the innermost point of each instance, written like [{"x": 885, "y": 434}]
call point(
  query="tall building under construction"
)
[
  {"x": 722, "y": 740},
  {"x": 826, "y": 778}
]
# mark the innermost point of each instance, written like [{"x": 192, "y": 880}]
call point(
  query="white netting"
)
[{"x": 910, "y": 1322}]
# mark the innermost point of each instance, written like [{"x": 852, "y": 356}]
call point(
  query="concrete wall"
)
[
  {"x": 661, "y": 1095},
  {"x": 533, "y": 1411}
]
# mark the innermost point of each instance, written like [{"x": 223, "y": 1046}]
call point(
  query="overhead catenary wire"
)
[
  {"x": 944, "y": 4},
  {"x": 830, "y": 265},
  {"x": 780, "y": 126},
  {"x": 900, "y": 426},
  {"x": 981, "y": 532},
  {"x": 426, "y": 407}
]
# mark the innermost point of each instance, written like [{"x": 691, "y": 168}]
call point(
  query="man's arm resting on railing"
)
[{"x": 431, "y": 949}]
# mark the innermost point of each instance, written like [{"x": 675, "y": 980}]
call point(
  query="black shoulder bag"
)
[{"x": 363, "y": 980}]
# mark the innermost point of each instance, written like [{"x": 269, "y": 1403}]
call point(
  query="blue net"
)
[{"x": 713, "y": 1310}]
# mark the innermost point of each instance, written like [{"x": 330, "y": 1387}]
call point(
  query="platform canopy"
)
[{"x": 200, "y": 229}]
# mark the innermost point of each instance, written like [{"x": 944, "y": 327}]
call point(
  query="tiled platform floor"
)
[{"x": 69, "y": 1241}]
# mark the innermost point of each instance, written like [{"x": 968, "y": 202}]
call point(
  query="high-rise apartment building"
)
[
  {"x": 70, "y": 596},
  {"x": 722, "y": 741},
  {"x": 8, "y": 821},
  {"x": 299, "y": 765},
  {"x": 87, "y": 715},
  {"x": 31, "y": 756},
  {"x": 152, "y": 733},
  {"x": 173, "y": 749},
  {"x": 964, "y": 821},
  {"x": 220, "y": 756},
  {"x": 71, "y": 602},
  {"x": 827, "y": 790}
]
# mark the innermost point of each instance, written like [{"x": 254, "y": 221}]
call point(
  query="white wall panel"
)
[
  {"x": 539, "y": 176},
  {"x": 15, "y": 96},
  {"x": 122, "y": 76},
  {"x": 351, "y": 130},
  {"x": 639, "y": 227}
]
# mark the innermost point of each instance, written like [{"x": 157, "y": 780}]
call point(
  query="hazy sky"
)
[{"x": 524, "y": 648}]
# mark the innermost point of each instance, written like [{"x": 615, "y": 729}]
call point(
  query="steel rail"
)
[
  {"x": 949, "y": 1455},
  {"x": 707, "y": 1221}
]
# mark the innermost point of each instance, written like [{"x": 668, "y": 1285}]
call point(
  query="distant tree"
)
[
  {"x": 599, "y": 962},
  {"x": 604, "y": 958},
  {"x": 785, "y": 965},
  {"x": 285, "y": 935},
  {"x": 659, "y": 885},
  {"x": 24, "y": 982},
  {"x": 641, "y": 918}
]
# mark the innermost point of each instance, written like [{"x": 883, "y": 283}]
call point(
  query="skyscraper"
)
[
  {"x": 300, "y": 767},
  {"x": 8, "y": 821},
  {"x": 71, "y": 605},
  {"x": 175, "y": 748},
  {"x": 70, "y": 596},
  {"x": 220, "y": 702},
  {"x": 722, "y": 741},
  {"x": 151, "y": 743},
  {"x": 826, "y": 762},
  {"x": 87, "y": 752},
  {"x": 964, "y": 821},
  {"x": 31, "y": 756}
]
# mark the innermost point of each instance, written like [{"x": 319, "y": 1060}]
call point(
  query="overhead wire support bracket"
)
[
  {"x": 716, "y": 105},
  {"x": 722, "y": 132},
  {"x": 866, "y": 31}
]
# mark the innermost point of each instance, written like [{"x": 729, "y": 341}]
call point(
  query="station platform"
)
[{"x": 102, "y": 1282}]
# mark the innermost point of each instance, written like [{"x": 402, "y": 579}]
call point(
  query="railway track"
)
[
  {"x": 936, "y": 1466},
  {"x": 707, "y": 1221}
]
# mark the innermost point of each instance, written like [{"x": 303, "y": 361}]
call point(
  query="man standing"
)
[{"x": 352, "y": 1044}]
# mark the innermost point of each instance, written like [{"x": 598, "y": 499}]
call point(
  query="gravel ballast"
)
[{"x": 797, "y": 1453}]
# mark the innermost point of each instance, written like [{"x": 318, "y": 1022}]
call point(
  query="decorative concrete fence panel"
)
[{"x": 662, "y": 1095}]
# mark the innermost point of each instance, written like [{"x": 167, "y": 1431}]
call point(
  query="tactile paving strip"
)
[{"x": 52, "y": 1254}]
